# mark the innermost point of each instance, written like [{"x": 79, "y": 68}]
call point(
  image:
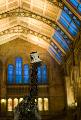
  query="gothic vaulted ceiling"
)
[{"x": 51, "y": 24}]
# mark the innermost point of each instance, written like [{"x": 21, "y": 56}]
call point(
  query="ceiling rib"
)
[
  {"x": 57, "y": 3},
  {"x": 22, "y": 29},
  {"x": 24, "y": 13},
  {"x": 27, "y": 37}
]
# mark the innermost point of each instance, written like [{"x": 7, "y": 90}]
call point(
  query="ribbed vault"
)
[{"x": 48, "y": 23}]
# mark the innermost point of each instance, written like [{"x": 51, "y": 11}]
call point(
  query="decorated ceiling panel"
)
[{"x": 47, "y": 23}]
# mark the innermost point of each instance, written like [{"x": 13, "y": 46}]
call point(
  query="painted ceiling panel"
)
[
  {"x": 43, "y": 7},
  {"x": 6, "y": 5}
]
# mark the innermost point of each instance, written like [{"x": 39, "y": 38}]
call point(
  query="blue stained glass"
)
[
  {"x": 66, "y": 16},
  {"x": 66, "y": 9},
  {"x": 26, "y": 73},
  {"x": 72, "y": 31},
  {"x": 70, "y": 14},
  {"x": 57, "y": 49},
  {"x": 10, "y": 74},
  {"x": 44, "y": 74},
  {"x": 58, "y": 37},
  {"x": 18, "y": 62},
  {"x": 64, "y": 22},
  {"x": 68, "y": 23},
  {"x": 79, "y": 8},
  {"x": 18, "y": 70},
  {"x": 39, "y": 75},
  {"x": 64, "y": 37},
  {"x": 77, "y": 21},
  {"x": 73, "y": 26},
  {"x": 76, "y": 4},
  {"x": 18, "y": 79},
  {"x": 55, "y": 54}
]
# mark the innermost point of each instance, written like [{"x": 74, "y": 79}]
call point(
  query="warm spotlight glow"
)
[
  {"x": 3, "y": 100},
  {"x": 76, "y": 104},
  {"x": 40, "y": 104},
  {"x": 35, "y": 100},
  {"x": 38, "y": 41},
  {"x": 15, "y": 102},
  {"x": 20, "y": 100},
  {"x": 45, "y": 104},
  {"x": 9, "y": 104}
]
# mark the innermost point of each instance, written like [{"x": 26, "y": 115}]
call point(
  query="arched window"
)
[
  {"x": 39, "y": 75},
  {"x": 44, "y": 74},
  {"x": 26, "y": 73},
  {"x": 20, "y": 74},
  {"x": 9, "y": 104},
  {"x": 18, "y": 70},
  {"x": 10, "y": 74}
]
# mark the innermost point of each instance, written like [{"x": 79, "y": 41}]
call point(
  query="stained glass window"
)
[
  {"x": 58, "y": 37},
  {"x": 44, "y": 74},
  {"x": 21, "y": 75},
  {"x": 68, "y": 23},
  {"x": 26, "y": 73},
  {"x": 64, "y": 36},
  {"x": 76, "y": 4},
  {"x": 39, "y": 75},
  {"x": 73, "y": 17},
  {"x": 18, "y": 70},
  {"x": 10, "y": 74},
  {"x": 57, "y": 55}
]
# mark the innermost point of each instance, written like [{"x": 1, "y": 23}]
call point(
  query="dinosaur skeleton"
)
[{"x": 27, "y": 108}]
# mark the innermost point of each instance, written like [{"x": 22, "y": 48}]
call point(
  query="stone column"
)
[
  {"x": 3, "y": 83},
  {"x": 3, "y": 89}
]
